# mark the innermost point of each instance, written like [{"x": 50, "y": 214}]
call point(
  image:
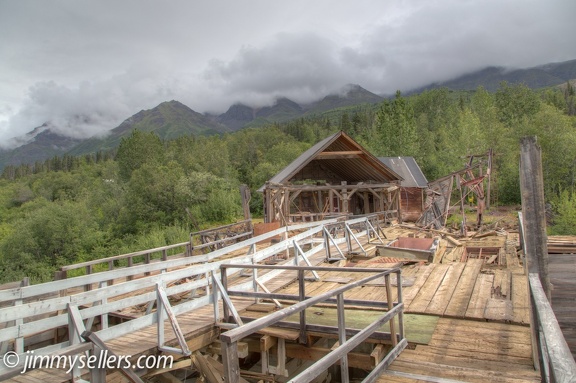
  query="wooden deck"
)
[
  {"x": 562, "y": 269},
  {"x": 470, "y": 290},
  {"x": 476, "y": 318},
  {"x": 468, "y": 351}
]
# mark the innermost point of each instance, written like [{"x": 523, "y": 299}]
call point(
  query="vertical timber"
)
[{"x": 533, "y": 211}]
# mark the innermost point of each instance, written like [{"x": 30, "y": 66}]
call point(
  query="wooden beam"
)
[
  {"x": 206, "y": 370},
  {"x": 127, "y": 372},
  {"x": 534, "y": 211},
  {"x": 339, "y": 155}
]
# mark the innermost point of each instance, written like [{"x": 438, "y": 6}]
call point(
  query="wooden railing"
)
[
  {"x": 146, "y": 255},
  {"x": 210, "y": 240},
  {"x": 394, "y": 311},
  {"x": 26, "y": 320},
  {"x": 552, "y": 356},
  {"x": 222, "y": 236}
]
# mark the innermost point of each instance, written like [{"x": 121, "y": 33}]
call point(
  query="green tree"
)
[
  {"x": 55, "y": 234},
  {"x": 515, "y": 103},
  {"x": 396, "y": 127},
  {"x": 565, "y": 217},
  {"x": 136, "y": 150}
]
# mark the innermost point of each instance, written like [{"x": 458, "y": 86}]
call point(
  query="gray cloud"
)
[{"x": 86, "y": 66}]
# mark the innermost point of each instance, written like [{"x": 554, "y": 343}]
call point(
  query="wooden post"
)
[
  {"x": 489, "y": 172},
  {"x": 533, "y": 211},
  {"x": 344, "y": 198},
  {"x": 245, "y": 195}
]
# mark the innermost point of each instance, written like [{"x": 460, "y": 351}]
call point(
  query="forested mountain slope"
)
[{"x": 154, "y": 191}]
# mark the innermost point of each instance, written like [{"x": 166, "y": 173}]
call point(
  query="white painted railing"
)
[{"x": 26, "y": 319}]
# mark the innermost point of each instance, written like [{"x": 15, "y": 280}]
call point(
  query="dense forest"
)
[{"x": 150, "y": 193}]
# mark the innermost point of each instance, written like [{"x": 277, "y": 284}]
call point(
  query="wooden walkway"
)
[
  {"x": 483, "y": 310},
  {"x": 468, "y": 351},
  {"x": 562, "y": 269},
  {"x": 468, "y": 290}
]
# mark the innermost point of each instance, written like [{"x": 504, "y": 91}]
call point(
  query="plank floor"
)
[
  {"x": 453, "y": 291},
  {"x": 457, "y": 290},
  {"x": 468, "y": 351},
  {"x": 562, "y": 271}
]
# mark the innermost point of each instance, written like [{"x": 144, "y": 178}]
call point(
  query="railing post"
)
[
  {"x": 534, "y": 211},
  {"x": 342, "y": 338},
  {"x": 302, "y": 296},
  {"x": 88, "y": 287},
  {"x": 390, "y": 307},
  {"x": 400, "y": 301},
  {"x": 130, "y": 264},
  {"x": 224, "y": 279},
  {"x": 230, "y": 362},
  {"x": 147, "y": 261}
]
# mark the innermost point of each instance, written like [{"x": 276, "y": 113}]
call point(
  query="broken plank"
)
[
  {"x": 453, "y": 240},
  {"x": 498, "y": 309}
]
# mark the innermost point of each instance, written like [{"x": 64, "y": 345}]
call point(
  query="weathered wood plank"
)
[
  {"x": 520, "y": 303},
  {"x": 480, "y": 296},
  {"x": 445, "y": 291},
  {"x": 428, "y": 290},
  {"x": 409, "y": 293},
  {"x": 459, "y": 301},
  {"x": 498, "y": 309}
]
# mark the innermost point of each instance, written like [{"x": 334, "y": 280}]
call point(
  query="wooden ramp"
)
[{"x": 468, "y": 351}]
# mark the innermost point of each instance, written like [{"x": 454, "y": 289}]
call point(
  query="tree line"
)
[{"x": 149, "y": 193}]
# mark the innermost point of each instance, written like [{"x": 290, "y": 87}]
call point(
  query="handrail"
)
[
  {"x": 552, "y": 344},
  {"x": 206, "y": 231},
  {"x": 123, "y": 256},
  {"x": 231, "y": 338},
  {"x": 22, "y": 317},
  {"x": 549, "y": 345}
]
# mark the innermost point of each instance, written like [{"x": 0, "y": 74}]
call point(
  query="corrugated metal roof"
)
[
  {"x": 408, "y": 169},
  {"x": 364, "y": 167}
]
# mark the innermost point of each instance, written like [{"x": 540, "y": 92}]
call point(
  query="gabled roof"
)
[
  {"x": 341, "y": 155},
  {"x": 408, "y": 169}
]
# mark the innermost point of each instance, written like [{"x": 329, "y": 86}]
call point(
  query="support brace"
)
[{"x": 163, "y": 306}]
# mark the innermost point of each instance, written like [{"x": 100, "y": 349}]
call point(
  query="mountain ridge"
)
[
  {"x": 541, "y": 76},
  {"x": 171, "y": 119}
]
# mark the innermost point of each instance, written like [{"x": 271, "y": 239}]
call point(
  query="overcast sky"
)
[{"x": 85, "y": 66}]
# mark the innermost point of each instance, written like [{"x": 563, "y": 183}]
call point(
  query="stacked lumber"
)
[{"x": 562, "y": 244}]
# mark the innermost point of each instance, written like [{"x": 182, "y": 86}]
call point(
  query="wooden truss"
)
[{"x": 300, "y": 203}]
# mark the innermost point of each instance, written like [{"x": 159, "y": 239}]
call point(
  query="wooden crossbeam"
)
[{"x": 339, "y": 155}]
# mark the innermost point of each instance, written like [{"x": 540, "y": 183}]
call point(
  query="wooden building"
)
[
  {"x": 412, "y": 187},
  {"x": 337, "y": 176}
]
